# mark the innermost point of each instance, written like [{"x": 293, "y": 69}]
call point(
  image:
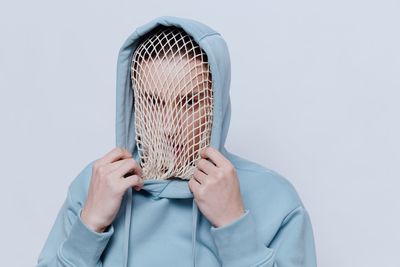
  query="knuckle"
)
[
  {"x": 132, "y": 162},
  {"x": 190, "y": 184},
  {"x": 136, "y": 179},
  {"x": 200, "y": 193},
  {"x": 118, "y": 149},
  {"x": 136, "y": 165},
  {"x": 201, "y": 162},
  {"x": 231, "y": 170},
  {"x": 220, "y": 175},
  {"x": 101, "y": 171},
  {"x": 96, "y": 165},
  {"x": 141, "y": 180}
]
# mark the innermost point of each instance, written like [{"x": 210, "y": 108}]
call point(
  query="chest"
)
[{"x": 161, "y": 235}]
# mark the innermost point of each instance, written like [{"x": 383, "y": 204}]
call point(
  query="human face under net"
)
[{"x": 173, "y": 105}]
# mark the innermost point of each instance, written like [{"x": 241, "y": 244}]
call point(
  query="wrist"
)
[
  {"x": 90, "y": 223},
  {"x": 231, "y": 218}
]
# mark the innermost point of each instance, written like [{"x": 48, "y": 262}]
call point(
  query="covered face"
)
[{"x": 173, "y": 102}]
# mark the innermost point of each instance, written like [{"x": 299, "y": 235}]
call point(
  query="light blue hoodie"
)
[{"x": 161, "y": 224}]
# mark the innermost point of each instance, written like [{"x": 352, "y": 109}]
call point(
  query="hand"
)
[
  {"x": 215, "y": 187},
  {"x": 107, "y": 187}
]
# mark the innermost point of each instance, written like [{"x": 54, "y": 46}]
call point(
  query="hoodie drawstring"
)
[
  {"x": 127, "y": 226},
  {"x": 194, "y": 231},
  {"x": 128, "y": 214}
]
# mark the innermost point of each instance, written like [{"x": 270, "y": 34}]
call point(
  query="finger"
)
[
  {"x": 132, "y": 181},
  {"x": 200, "y": 176},
  {"x": 206, "y": 166},
  {"x": 127, "y": 167},
  {"x": 115, "y": 154},
  {"x": 215, "y": 156},
  {"x": 193, "y": 186},
  {"x": 117, "y": 164}
]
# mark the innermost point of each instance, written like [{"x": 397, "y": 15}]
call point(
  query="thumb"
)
[{"x": 133, "y": 181}]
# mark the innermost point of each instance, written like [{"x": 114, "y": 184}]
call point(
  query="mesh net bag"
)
[{"x": 173, "y": 102}]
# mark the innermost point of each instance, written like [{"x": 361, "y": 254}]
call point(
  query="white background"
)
[{"x": 315, "y": 96}]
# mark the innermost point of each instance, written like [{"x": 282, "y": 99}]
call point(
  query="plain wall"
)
[{"x": 315, "y": 96}]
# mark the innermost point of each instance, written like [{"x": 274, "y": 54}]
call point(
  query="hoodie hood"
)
[{"x": 218, "y": 58}]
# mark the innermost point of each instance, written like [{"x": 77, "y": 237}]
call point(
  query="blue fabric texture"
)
[{"x": 161, "y": 225}]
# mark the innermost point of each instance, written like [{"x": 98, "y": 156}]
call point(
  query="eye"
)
[
  {"x": 191, "y": 101},
  {"x": 155, "y": 101}
]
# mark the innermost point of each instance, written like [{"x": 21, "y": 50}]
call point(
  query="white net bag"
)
[{"x": 173, "y": 102}]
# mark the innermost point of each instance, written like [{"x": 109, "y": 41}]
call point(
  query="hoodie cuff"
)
[
  {"x": 85, "y": 246},
  {"x": 238, "y": 243}
]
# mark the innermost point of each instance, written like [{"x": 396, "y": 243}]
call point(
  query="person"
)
[{"x": 195, "y": 203}]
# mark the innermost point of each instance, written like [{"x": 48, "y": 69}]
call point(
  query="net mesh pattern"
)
[{"x": 173, "y": 102}]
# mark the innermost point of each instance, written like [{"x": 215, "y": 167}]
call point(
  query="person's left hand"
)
[{"x": 215, "y": 187}]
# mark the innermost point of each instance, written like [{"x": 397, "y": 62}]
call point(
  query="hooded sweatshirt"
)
[{"x": 161, "y": 225}]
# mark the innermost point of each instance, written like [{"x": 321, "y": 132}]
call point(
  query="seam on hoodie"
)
[
  {"x": 128, "y": 84},
  {"x": 162, "y": 190},
  {"x": 266, "y": 260},
  {"x": 284, "y": 221},
  {"x": 71, "y": 206},
  {"x": 61, "y": 257},
  {"x": 257, "y": 170},
  {"x": 67, "y": 206},
  {"x": 206, "y": 35}
]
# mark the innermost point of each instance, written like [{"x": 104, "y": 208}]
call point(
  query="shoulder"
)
[
  {"x": 264, "y": 187},
  {"x": 272, "y": 201}
]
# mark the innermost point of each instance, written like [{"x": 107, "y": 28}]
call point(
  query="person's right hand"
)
[{"x": 107, "y": 187}]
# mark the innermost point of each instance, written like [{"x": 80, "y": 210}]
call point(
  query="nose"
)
[{"x": 171, "y": 125}]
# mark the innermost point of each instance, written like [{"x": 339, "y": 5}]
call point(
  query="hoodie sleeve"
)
[
  {"x": 239, "y": 244},
  {"x": 70, "y": 242}
]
